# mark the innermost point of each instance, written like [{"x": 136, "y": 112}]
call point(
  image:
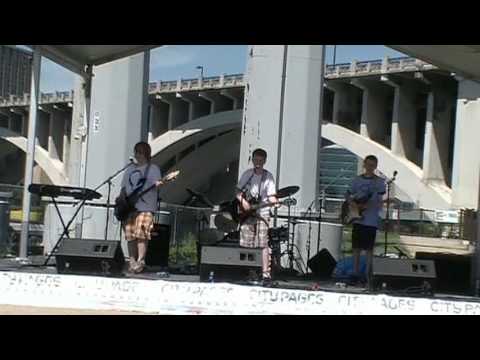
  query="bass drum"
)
[
  {"x": 232, "y": 208},
  {"x": 225, "y": 222}
]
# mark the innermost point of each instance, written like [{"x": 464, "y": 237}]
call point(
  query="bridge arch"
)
[
  {"x": 410, "y": 176},
  {"x": 52, "y": 168}
]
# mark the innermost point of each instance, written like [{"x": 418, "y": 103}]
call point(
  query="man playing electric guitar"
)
[
  {"x": 138, "y": 225},
  {"x": 256, "y": 185},
  {"x": 366, "y": 191}
]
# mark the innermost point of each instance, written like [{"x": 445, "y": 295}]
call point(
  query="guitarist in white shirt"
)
[
  {"x": 139, "y": 224},
  {"x": 256, "y": 185}
]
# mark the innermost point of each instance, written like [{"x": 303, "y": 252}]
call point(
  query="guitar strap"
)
[{"x": 145, "y": 179}]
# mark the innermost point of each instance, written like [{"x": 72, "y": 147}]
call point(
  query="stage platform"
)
[{"x": 154, "y": 291}]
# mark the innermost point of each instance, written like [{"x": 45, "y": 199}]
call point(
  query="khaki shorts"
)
[{"x": 138, "y": 226}]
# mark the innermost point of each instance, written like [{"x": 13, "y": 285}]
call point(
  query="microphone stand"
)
[
  {"x": 309, "y": 214},
  {"x": 387, "y": 216}
]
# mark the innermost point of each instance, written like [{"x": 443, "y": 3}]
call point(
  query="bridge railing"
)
[
  {"x": 385, "y": 65},
  {"x": 355, "y": 68}
]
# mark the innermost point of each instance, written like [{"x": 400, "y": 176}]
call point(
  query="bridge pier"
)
[
  {"x": 466, "y": 161},
  {"x": 235, "y": 95},
  {"x": 375, "y": 124},
  {"x": 197, "y": 106},
  {"x": 406, "y": 140},
  {"x": 177, "y": 111},
  {"x": 347, "y": 105},
  {"x": 56, "y": 133},
  {"x": 438, "y": 131},
  {"x": 218, "y": 102},
  {"x": 158, "y": 124},
  {"x": 43, "y": 128}
]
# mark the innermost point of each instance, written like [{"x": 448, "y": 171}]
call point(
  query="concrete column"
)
[
  {"x": 404, "y": 119},
  {"x": 16, "y": 120},
  {"x": 4, "y": 118},
  {"x": 118, "y": 119},
  {"x": 177, "y": 111},
  {"x": 67, "y": 133},
  {"x": 374, "y": 123},
  {"x": 43, "y": 128},
  {"x": 236, "y": 95},
  {"x": 466, "y": 160},
  {"x": 282, "y": 114},
  {"x": 437, "y": 136},
  {"x": 79, "y": 129},
  {"x": 219, "y": 102},
  {"x": 440, "y": 105},
  {"x": 159, "y": 112},
  {"x": 56, "y": 133},
  {"x": 346, "y": 104},
  {"x": 197, "y": 106}
]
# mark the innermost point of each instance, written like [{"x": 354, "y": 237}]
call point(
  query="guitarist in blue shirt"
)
[
  {"x": 367, "y": 190},
  {"x": 137, "y": 227}
]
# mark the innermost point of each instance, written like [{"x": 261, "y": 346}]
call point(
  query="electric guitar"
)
[
  {"x": 352, "y": 210},
  {"x": 255, "y": 205},
  {"x": 125, "y": 205}
]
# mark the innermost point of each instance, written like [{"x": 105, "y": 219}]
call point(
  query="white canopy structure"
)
[{"x": 79, "y": 59}]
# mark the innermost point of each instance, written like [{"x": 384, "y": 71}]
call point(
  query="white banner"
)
[{"x": 168, "y": 297}]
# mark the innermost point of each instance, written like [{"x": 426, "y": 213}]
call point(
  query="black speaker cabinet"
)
[
  {"x": 403, "y": 275},
  {"x": 322, "y": 264},
  {"x": 453, "y": 271},
  {"x": 89, "y": 257},
  {"x": 158, "y": 249},
  {"x": 230, "y": 263}
]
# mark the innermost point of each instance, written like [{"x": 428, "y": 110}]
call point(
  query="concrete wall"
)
[{"x": 465, "y": 173}]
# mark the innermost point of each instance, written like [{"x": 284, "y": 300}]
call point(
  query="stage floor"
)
[{"x": 287, "y": 282}]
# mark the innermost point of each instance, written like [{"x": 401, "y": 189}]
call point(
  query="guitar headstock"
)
[{"x": 171, "y": 176}]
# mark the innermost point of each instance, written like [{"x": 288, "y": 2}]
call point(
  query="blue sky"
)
[{"x": 180, "y": 61}]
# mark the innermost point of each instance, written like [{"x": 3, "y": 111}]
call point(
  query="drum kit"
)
[{"x": 227, "y": 228}]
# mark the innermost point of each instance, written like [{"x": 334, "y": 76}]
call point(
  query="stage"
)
[{"x": 172, "y": 293}]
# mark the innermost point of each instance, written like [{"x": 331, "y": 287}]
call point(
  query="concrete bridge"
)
[{"x": 403, "y": 110}]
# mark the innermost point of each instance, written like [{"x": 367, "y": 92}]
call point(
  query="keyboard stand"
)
[{"x": 65, "y": 228}]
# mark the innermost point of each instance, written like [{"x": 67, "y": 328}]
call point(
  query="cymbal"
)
[{"x": 287, "y": 191}]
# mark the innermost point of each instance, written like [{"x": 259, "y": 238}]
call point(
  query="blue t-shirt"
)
[{"x": 373, "y": 189}]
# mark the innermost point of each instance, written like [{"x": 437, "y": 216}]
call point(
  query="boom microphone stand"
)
[
  {"x": 109, "y": 182},
  {"x": 387, "y": 216}
]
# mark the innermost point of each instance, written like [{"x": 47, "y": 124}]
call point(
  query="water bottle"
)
[{"x": 211, "y": 277}]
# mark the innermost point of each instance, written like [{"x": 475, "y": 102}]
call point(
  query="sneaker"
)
[
  {"x": 140, "y": 267},
  {"x": 132, "y": 265}
]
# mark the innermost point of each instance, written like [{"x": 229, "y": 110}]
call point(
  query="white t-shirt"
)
[
  {"x": 132, "y": 179},
  {"x": 250, "y": 183}
]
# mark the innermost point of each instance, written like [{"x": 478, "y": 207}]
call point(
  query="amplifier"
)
[
  {"x": 403, "y": 274},
  {"x": 230, "y": 263}
]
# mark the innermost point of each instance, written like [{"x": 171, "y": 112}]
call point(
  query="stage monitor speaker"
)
[
  {"x": 403, "y": 275},
  {"x": 158, "y": 249},
  {"x": 453, "y": 271},
  {"x": 322, "y": 264},
  {"x": 89, "y": 257},
  {"x": 230, "y": 263}
]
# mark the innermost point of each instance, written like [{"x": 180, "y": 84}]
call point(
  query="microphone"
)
[
  {"x": 132, "y": 160},
  {"x": 395, "y": 173}
]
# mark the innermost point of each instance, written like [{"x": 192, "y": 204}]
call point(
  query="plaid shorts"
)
[
  {"x": 254, "y": 233},
  {"x": 138, "y": 226}
]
